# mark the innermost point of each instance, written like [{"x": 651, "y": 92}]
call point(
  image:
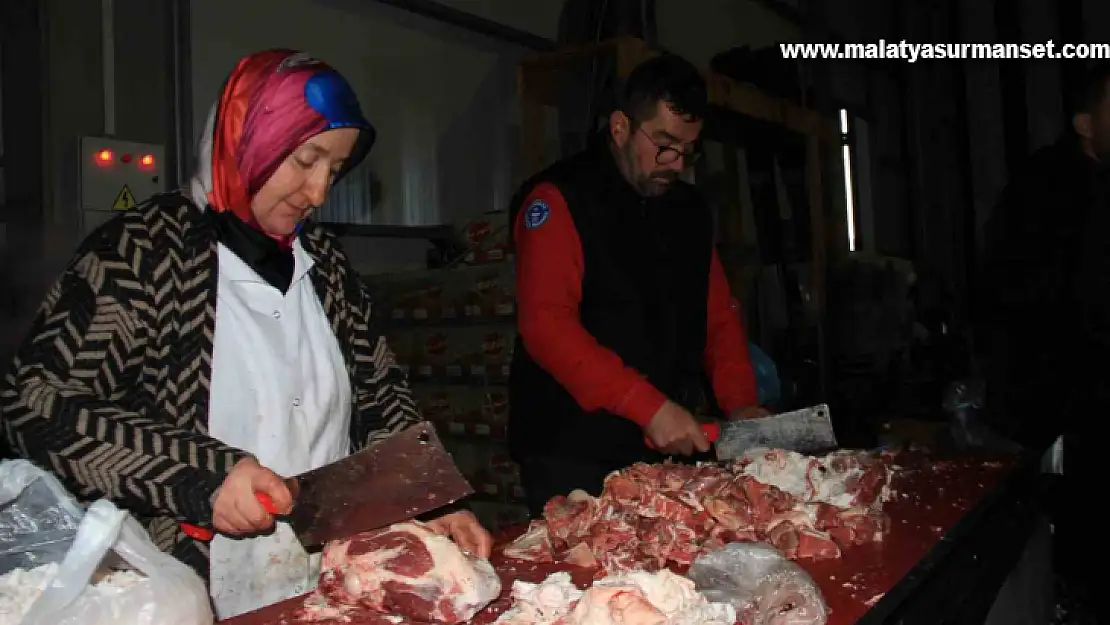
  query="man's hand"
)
[
  {"x": 235, "y": 509},
  {"x": 463, "y": 528},
  {"x": 748, "y": 412},
  {"x": 673, "y": 430}
]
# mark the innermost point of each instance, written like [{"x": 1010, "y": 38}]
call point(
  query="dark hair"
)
[
  {"x": 669, "y": 78},
  {"x": 1091, "y": 89}
]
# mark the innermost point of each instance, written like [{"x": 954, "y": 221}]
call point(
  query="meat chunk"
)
[
  {"x": 410, "y": 571},
  {"x": 652, "y": 516},
  {"x": 533, "y": 545},
  {"x": 814, "y": 545}
]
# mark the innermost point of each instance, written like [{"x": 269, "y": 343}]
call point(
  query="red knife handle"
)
[
  {"x": 712, "y": 432},
  {"x": 267, "y": 503},
  {"x": 205, "y": 534},
  {"x": 196, "y": 532}
]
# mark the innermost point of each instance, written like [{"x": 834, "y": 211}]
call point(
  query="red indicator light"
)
[
  {"x": 147, "y": 160},
  {"x": 126, "y": 158},
  {"x": 104, "y": 156}
]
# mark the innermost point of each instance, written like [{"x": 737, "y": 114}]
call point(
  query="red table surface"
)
[{"x": 930, "y": 498}]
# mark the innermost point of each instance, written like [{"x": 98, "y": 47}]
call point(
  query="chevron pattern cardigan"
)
[{"x": 110, "y": 389}]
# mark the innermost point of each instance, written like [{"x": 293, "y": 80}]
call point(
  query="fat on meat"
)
[
  {"x": 534, "y": 545},
  {"x": 406, "y": 570},
  {"x": 636, "y": 598},
  {"x": 549, "y": 601},
  {"x": 653, "y": 515}
]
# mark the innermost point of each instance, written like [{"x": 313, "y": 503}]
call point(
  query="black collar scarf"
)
[{"x": 261, "y": 253}]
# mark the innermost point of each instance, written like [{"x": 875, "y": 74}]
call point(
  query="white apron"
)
[{"x": 281, "y": 392}]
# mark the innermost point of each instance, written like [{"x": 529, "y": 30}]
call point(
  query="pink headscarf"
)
[{"x": 272, "y": 102}]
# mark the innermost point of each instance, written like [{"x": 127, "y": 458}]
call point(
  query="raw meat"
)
[
  {"x": 407, "y": 570},
  {"x": 652, "y": 516},
  {"x": 638, "y": 598}
]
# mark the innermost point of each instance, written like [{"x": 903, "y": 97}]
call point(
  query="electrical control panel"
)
[{"x": 115, "y": 176}]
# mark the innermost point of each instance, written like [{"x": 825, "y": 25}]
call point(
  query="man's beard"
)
[
  {"x": 649, "y": 184},
  {"x": 657, "y": 182}
]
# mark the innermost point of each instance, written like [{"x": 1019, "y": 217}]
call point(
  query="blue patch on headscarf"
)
[{"x": 330, "y": 95}]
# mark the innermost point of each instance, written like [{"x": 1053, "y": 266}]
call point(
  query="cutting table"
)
[{"x": 958, "y": 528}]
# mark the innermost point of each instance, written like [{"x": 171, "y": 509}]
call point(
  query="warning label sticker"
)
[{"x": 125, "y": 200}]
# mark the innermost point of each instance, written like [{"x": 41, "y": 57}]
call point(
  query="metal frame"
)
[
  {"x": 432, "y": 233},
  {"x": 473, "y": 23},
  {"x": 180, "y": 139}
]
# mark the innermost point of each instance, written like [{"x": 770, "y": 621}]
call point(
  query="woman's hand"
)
[
  {"x": 463, "y": 527},
  {"x": 235, "y": 509}
]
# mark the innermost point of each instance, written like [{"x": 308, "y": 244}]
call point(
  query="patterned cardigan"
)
[{"x": 110, "y": 389}]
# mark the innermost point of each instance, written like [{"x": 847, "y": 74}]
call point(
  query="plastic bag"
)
[
  {"x": 169, "y": 593},
  {"x": 763, "y": 586},
  {"x": 962, "y": 401},
  {"x": 38, "y": 517}
]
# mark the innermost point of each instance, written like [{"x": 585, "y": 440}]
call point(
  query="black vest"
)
[{"x": 644, "y": 291}]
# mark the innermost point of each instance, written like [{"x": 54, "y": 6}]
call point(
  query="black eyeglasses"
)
[{"x": 668, "y": 154}]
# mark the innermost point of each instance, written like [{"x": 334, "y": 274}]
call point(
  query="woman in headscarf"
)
[{"x": 203, "y": 345}]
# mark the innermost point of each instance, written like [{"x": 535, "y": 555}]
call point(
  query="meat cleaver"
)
[
  {"x": 392, "y": 480},
  {"x": 805, "y": 431}
]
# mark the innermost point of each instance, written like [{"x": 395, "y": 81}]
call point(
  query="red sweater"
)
[{"x": 549, "y": 269}]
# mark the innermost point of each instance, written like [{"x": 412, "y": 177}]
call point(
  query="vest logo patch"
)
[{"x": 536, "y": 214}]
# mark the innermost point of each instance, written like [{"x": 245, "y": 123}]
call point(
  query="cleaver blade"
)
[
  {"x": 392, "y": 480},
  {"x": 805, "y": 431}
]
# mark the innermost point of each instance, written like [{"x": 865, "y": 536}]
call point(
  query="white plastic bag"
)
[
  {"x": 171, "y": 594},
  {"x": 763, "y": 586},
  {"x": 38, "y": 517}
]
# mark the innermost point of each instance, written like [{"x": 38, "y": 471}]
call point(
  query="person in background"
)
[
  {"x": 1043, "y": 316},
  {"x": 204, "y": 345},
  {"x": 623, "y": 306}
]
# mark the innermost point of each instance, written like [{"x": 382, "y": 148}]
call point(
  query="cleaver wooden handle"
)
[
  {"x": 205, "y": 534},
  {"x": 712, "y": 433}
]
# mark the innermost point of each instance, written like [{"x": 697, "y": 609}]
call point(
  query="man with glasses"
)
[{"x": 624, "y": 311}]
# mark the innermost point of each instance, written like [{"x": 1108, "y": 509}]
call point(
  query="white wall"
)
[{"x": 441, "y": 99}]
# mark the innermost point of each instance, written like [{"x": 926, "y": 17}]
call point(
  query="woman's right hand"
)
[{"x": 235, "y": 509}]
